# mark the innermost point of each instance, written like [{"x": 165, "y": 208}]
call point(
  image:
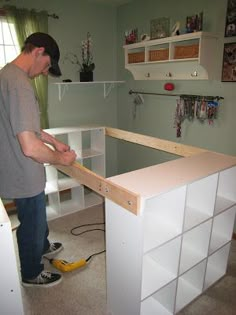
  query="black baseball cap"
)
[{"x": 39, "y": 39}]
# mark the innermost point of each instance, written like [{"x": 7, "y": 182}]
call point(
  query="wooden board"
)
[
  {"x": 128, "y": 189},
  {"x": 103, "y": 186},
  {"x": 155, "y": 143}
]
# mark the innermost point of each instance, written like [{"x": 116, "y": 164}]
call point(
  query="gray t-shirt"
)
[{"x": 20, "y": 176}]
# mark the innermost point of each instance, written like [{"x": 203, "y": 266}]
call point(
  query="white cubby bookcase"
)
[
  {"x": 89, "y": 145},
  {"x": 10, "y": 290},
  {"x": 177, "y": 246}
]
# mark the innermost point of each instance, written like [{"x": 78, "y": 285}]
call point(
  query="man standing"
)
[{"x": 23, "y": 152}]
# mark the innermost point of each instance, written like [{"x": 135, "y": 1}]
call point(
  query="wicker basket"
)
[
  {"x": 136, "y": 57},
  {"x": 160, "y": 54},
  {"x": 184, "y": 52}
]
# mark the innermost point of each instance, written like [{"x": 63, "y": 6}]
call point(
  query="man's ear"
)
[{"x": 39, "y": 51}]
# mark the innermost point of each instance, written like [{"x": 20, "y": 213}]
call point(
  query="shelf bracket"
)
[
  {"x": 62, "y": 90},
  {"x": 107, "y": 88}
]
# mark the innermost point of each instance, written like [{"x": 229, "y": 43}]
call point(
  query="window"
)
[{"x": 9, "y": 47}]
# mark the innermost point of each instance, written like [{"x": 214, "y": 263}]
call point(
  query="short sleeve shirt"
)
[{"x": 20, "y": 176}]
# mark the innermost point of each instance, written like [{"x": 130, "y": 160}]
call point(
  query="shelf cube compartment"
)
[
  {"x": 216, "y": 265},
  {"x": 163, "y": 218},
  {"x": 161, "y": 302},
  {"x": 92, "y": 153},
  {"x": 190, "y": 285},
  {"x": 158, "y": 52},
  {"x": 186, "y": 49},
  {"x": 95, "y": 163},
  {"x": 226, "y": 192},
  {"x": 75, "y": 142},
  {"x": 136, "y": 55},
  {"x": 195, "y": 246},
  {"x": 51, "y": 175},
  {"x": 94, "y": 140},
  {"x": 160, "y": 266},
  {"x": 222, "y": 230},
  {"x": 68, "y": 135},
  {"x": 183, "y": 52},
  {"x": 200, "y": 201},
  {"x": 72, "y": 200},
  {"x": 53, "y": 206},
  {"x": 67, "y": 182}
]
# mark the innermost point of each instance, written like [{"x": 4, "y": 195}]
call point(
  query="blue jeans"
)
[{"x": 32, "y": 234}]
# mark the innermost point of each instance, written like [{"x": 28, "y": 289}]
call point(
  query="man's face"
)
[{"x": 41, "y": 63}]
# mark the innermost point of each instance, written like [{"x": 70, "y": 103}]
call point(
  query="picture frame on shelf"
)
[
  {"x": 230, "y": 23},
  {"x": 194, "y": 23},
  {"x": 160, "y": 28},
  {"x": 229, "y": 63}
]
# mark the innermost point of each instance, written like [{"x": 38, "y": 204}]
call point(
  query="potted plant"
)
[{"x": 86, "y": 66}]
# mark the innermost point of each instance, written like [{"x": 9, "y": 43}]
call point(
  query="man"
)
[{"x": 23, "y": 152}]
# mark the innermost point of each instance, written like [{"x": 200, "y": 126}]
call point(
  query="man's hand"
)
[
  {"x": 68, "y": 157},
  {"x": 61, "y": 147},
  {"x": 36, "y": 149}
]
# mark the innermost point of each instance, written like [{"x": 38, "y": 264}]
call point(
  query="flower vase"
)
[{"x": 86, "y": 76}]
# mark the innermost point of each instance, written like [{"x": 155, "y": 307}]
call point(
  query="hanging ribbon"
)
[{"x": 191, "y": 107}]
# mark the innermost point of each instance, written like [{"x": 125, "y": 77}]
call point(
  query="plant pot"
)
[{"x": 86, "y": 76}]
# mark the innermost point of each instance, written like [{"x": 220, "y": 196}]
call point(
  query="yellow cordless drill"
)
[{"x": 66, "y": 266}]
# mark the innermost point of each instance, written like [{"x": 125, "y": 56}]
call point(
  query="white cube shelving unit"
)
[
  {"x": 89, "y": 144},
  {"x": 178, "y": 245},
  {"x": 10, "y": 291}
]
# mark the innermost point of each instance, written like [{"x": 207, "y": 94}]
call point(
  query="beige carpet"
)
[{"x": 83, "y": 292}]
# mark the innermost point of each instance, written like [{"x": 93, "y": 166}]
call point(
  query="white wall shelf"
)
[
  {"x": 201, "y": 65},
  {"x": 89, "y": 144},
  {"x": 107, "y": 86}
]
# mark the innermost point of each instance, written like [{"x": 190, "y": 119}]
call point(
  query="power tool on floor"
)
[{"x": 66, "y": 266}]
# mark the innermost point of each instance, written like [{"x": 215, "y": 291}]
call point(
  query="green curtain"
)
[{"x": 27, "y": 22}]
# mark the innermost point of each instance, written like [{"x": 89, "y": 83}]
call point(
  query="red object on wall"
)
[{"x": 169, "y": 86}]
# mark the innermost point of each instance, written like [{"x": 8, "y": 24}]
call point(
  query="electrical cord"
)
[
  {"x": 66, "y": 266},
  {"x": 90, "y": 230},
  {"x": 90, "y": 224},
  {"x": 98, "y": 253}
]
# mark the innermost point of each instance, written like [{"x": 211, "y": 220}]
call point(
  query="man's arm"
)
[
  {"x": 36, "y": 149},
  {"x": 58, "y": 145}
]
